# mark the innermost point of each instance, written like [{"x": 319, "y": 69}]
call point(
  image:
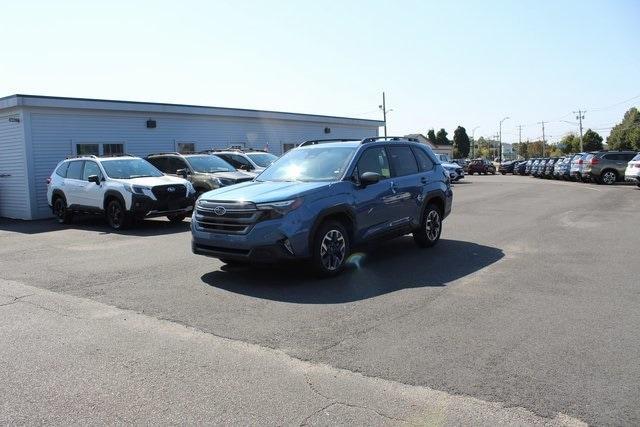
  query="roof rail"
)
[
  {"x": 119, "y": 155},
  {"x": 162, "y": 153},
  {"x": 240, "y": 150},
  {"x": 324, "y": 141},
  {"x": 79, "y": 156},
  {"x": 389, "y": 138}
]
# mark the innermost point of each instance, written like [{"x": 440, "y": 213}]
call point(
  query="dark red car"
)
[{"x": 481, "y": 166}]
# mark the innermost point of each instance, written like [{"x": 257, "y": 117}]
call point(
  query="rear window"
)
[
  {"x": 75, "y": 170},
  {"x": 424, "y": 161},
  {"x": 62, "y": 169},
  {"x": 637, "y": 157}
]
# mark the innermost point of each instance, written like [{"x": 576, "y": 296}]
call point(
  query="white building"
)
[{"x": 36, "y": 132}]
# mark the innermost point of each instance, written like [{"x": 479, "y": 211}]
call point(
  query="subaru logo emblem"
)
[
  {"x": 171, "y": 189},
  {"x": 219, "y": 210}
]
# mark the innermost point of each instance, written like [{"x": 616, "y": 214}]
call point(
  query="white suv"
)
[{"x": 123, "y": 188}]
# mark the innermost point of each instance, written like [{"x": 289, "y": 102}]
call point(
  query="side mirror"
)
[
  {"x": 369, "y": 178},
  {"x": 94, "y": 178},
  {"x": 182, "y": 172}
]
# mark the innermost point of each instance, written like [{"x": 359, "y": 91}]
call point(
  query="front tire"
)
[
  {"x": 174, "y": 219},
  {"x": 117, "y": 216},
  {"x": 331, "y": 248},
  {"x": 430, "y": 227},
  {"x": 61, "y": 211}
]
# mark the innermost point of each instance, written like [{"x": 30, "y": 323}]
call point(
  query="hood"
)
[
  {"x": 234, "y": 175},
  {"x": 151, "y": 181},
  {"x": 449, "y": 165},
  {"x": 261, "y": 192}
]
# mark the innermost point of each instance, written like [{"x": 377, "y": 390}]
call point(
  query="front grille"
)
[
  {"x": 164, "y": 193},
  {"x": 226, "y": 217}
]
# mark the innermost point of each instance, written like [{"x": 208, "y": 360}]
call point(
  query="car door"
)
[
  {"x": 376, "y": 205},
  {"x": 91, "y": 194},
  {"x": 406, "y": 183},
  {"x": 73, "y": 183}
]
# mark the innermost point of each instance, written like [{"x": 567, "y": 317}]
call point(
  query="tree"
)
[
  {"x": 569, "y": 144},
  {"x": 431, "y": 136},
  {"x": 591, "y": 141},
  {"x": 523, "y": 150},
  {"x": 461, "y": 144},
  {"x": 626, "y": 135},
  {"x": 441, "y": 138}
]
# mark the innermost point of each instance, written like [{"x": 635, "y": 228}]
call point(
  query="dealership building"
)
[{"x": 36, "y": 132}]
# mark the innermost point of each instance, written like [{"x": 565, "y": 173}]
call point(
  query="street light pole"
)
[
  {"x": 500, "y": 138},
  {"x": 383, "y": 107}
]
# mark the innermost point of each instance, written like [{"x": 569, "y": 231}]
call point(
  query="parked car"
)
[
  {"x": 481, "y": 166},
  {"x": 320, "y": 200},
  {"x": 204, "y": 171},
  {"x": 561, "y": 168},
  {"x": 507, "y": 167},
  {"x": 577, "y": 162},
  {"x": 529, "y": 166},
  {"x": 464, "y": 163},
  {"x": 548, "y": 167},
  {"x": 122, "y": 188},
  {"x": 538, "y": 168},
  {"x": 454, "y": 170},
  {"x": 251, "y": 161},
  {"x": 632, "y": 173},
  {"x": 607, "y": 167},
  {"x": 520, "y": 167}
]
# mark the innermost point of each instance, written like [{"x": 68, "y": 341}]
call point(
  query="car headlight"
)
[
  {"x": 281, "y": 208},
  {"x": 222, "y": 182},
  {"x": 138, "y": 189}
]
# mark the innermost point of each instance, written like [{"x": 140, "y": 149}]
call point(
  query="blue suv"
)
[{"x": 320, "y": 200}]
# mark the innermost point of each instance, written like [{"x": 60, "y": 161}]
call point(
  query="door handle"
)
[
  {"x": 394, "y": 187},
  {"x": 424, "y": 180}
]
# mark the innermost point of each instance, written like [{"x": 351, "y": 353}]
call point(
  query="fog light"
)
[{"x": 287, "y": 245}]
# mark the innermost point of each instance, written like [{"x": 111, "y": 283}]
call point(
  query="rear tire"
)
[
  {"x": 117, "y": 216},
  {"x": 608, "y": 177},
  {"x": 430, "y": 227},
  {"x": 331, "y": 248},
  {"x": 60, "y": 210}
]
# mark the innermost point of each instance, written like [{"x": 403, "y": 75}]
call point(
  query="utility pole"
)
[
  {"x": 580, "y": 116},
  {"x": 543, "y": 140},
  {"x": 384, "y": 114},
  {"x": 519, "y": 139},
  {"x": 496, "y": 137},
  {"x": 500, "y": 138}
]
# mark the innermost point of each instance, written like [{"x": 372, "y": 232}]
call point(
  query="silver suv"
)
[
  {"x": 607, "y": 167},
  {"x": 122, "y": 188}
]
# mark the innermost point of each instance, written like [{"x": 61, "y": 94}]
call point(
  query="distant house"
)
[{"x": 437, "y": 148}]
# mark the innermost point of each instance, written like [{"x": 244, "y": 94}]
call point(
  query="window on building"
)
[
  {"x": 186, "y": 147},
  {"x": 99, "y": 149},
  {"x": 88, "y": 149}
]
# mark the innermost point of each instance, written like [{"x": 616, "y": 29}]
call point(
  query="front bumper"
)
[
  {"x": 632, "y": 178},
  {"x": 145, "y": 207}
]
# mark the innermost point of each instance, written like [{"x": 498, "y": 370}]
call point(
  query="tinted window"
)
[
  {"x": 75, "y": 170},
  {"x": 262, "y": 159},
  {"x": 62, "y": 169},
  {"x": 424, "y": 161},
  {"x": 173, "y": 164},
  {"x": 159, "y": 162},
  {"x": 374, "y": 160},
  {"x": 209, "y": 164},
  {"x": 241, "y": 161},
  {"x": 402, "y": 161},
  {"x": 637, "y": 157},
  {"x": 90, "y": 168},
  {"x": 627, "y": 156}
]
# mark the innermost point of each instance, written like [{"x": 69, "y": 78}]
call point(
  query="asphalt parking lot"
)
[{"x": 529, "y": 301}]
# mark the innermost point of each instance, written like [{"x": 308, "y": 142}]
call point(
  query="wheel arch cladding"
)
[
  {"x": 341, "y": 214},
  {"x": 110, "y": 195}
]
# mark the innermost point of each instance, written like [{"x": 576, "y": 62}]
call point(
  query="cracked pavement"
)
[{"x": 528, "y": 306}]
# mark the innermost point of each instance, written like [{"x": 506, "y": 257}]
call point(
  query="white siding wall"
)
[
  {"x": 14, "y": 188},
  {"x": 53, "y": 133}
]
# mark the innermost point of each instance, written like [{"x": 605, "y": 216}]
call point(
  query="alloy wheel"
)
[
  {"x": 432, "y": 225},
  {"x": 115, "y": 215},
  {"x": 332, "y": 250},
  {"x": 608, "y": 177}
]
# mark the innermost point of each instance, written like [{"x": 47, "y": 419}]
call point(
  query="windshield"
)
[
  {"x": 129, "y": 168},
  {"x": 209, "y": 164},
  {"x": 262, "y": 159},
  {"x": 310, "y": 164}
]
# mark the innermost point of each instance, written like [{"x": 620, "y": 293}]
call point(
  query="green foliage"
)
[
  {"x": 591, "y": 141},
  {"x": 441, "y": 138},
  {"x": 626, "y": 135},
  {"x": 461, "y": 143},
  {"x": 569, "y": 144},
  {"x": 522, "y": 150},
  {"x": 431, "y": 136}
]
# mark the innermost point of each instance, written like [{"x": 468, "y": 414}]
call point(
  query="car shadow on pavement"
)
[
  {"x": 145, "y": 228},
  {"x": 389, "y": 267}
]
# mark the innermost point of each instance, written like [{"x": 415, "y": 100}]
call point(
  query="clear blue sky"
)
[{"x": 442, "y": 64}]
